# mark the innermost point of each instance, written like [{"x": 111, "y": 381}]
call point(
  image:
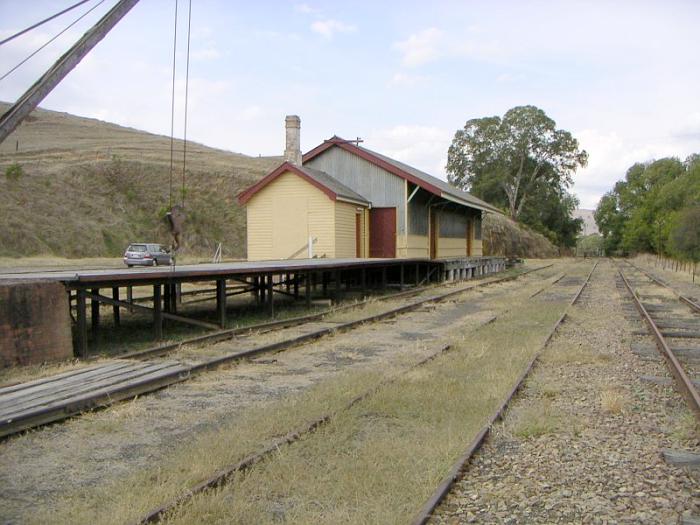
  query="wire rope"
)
[
  {"x": 187, "y": 85},
  {"x": 42, "y": 22},
  {"x": 172, "y": 112},
  {"x": 52, "y": 39}
]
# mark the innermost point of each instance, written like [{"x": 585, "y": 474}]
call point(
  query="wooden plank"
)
[
  {"x": 94, "y": 389},
  {"x": 56, "y": 389},
  {"x": 56, "y": 377},
  {"x": 48, "y": 397},
  {"x": 94, "y": 399},
  {"x": 58, "y": 383}
]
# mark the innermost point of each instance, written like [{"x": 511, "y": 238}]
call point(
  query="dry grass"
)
[
  {"x": 613, "y": 401},
  {"x": 99, "y": 186},
  {"x": 535, "y": 420},
  {"x": 379, "y": 461},
  {"x": 373, "y": 464}
]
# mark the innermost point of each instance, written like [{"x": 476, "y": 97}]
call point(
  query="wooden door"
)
[
  {"x": 433, "y": 233},
  {"x": 358, "y": 235},
  {"x": 382, "y": 232}
]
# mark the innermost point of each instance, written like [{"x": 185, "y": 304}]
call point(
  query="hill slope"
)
[{"x": 88, "y": 188}]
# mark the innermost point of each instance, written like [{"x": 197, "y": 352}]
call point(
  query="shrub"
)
[{"x": 14, "y": 172}]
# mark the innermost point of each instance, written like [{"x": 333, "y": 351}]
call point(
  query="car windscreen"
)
[{"x": 136, "y": 248}]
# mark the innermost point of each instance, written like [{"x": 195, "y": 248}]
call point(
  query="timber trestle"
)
[{"x": 264, "y": 281}]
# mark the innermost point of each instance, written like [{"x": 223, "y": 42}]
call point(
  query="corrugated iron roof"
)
[
  {"x": 422, "y": 179},
  {"x": 337, "y": 187}
]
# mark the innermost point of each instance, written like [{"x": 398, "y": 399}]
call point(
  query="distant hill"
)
[
  {"x": 589, "y": 225},
  {"x": 88, "y": 188}
]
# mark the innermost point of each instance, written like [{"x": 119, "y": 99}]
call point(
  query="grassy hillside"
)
[
  {"x": 80, "y": 187},
  {"x": 503, "y": 236},
  {"x": 77, "y": 187}
]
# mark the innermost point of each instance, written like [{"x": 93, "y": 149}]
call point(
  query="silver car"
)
[{"x": 144, "y": 254}]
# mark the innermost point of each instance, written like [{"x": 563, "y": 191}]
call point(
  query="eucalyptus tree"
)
[{"x": 510, "y": 156}]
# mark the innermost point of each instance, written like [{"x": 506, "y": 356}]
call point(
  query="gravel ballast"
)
[{"x": 582, "y": 441}]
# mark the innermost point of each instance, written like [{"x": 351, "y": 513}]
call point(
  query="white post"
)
[{"x": 311, "y": 247}]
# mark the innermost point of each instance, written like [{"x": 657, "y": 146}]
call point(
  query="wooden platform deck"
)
[{"x": 36, "y": 402}]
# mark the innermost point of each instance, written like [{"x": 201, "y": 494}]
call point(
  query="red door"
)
[{"x": 382, "y": 232}]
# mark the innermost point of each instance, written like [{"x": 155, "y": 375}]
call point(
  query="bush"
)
[{"x": 14, "y": 172}]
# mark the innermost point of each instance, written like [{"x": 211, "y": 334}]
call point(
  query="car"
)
[{"x": 146, "y": 254}]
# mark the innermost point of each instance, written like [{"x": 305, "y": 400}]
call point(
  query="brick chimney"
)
[{"x": 292, "y": 152}]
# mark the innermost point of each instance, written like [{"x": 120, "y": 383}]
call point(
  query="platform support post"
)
[
  {"x": 130, "y": 296},
  {"x": 287, "y": 277},
  {"x": 384, "y": 270},
  {"x": 115, "y": 308},
  {"x": 95, "y": 315},
  {"x": 324, "y": 285},
  {"x": 263, "y": 289},
  {"x": 307, "y": 292},
  {"x": 417, "y": 274},
  {"x": 166, "y": 297},
  {"x": 270, "y": 296},
  {"x": 363, "y": 281},
  {"x": 221, "y": 302},
  {"x": 157, "y": 311},
  {"x": 82, "y": 349},
  {"x": 174, "y": 297},
  {"x": 296, "y": 285},
  {"x": 401, "y": 277},
  {"x": 336, "y": 291}
]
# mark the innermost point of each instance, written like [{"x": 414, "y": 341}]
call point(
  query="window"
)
[{"x": 477, "y": 228}]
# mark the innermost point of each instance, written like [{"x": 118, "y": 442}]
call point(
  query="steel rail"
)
[
  {"x": 222, "y": 335},
  {"x": 221, "y": 476},
  {"x": 687, "y": 300},
  {"x": 454, "y": 474},
  {"x": 683, "y": 382},
  {"x": 100, "y": 399}
]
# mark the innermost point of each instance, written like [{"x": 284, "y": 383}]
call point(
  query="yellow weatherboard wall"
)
[{"x": 283, "y": 215}]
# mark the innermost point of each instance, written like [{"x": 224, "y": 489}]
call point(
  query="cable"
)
[
  {"x": 54, "y": 38},
  {"x": 172, "y": 113},
  {"x": 42, "y": 22},
  {"x": 187, "y": 85}
]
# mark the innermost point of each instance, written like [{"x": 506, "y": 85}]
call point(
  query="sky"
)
[{"x": 622, "y": 76}]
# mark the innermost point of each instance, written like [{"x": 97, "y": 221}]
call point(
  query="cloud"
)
[
  {"x": 423, "y": 147},
  {"x": 611, "y": 154},
  {"x": 406, "y": 80},
  {"x": 329, "y": 27},
  {"x": 306, "y": 9},
  {"x": 421, "y": 48},
  {"x": 206, "y": 54},
  {"x": 432, "y": 44}
]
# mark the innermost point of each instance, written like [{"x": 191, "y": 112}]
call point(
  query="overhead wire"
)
[
  {"x": 42, "y": 22},
  {"x": 172, "y": 111},
  {"x": 187, "y": 85},
  {"x": 51, "y": 40}
]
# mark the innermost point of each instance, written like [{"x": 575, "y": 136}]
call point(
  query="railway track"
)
[
  {"x": 425, "y": 513},
  {"x": 29, "y": 405},
  {"x": 669, "y": 324},
  {"x": 225, "y": 474}
]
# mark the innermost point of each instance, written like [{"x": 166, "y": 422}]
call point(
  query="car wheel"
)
[
  {"x": 155, "y": 262},
  {"x": 130, "y": 265}
]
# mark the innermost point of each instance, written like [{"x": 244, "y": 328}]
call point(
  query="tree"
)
[
  {"x": 685, "y": 235},
  {"x": 642, "y": 212},
  {"x": 509, "y": 156}
]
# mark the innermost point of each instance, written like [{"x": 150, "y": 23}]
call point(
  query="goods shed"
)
[{"x": 344, "y": 200}]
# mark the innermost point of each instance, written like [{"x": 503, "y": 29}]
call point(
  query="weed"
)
[{"x": 14, "y": 172}]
